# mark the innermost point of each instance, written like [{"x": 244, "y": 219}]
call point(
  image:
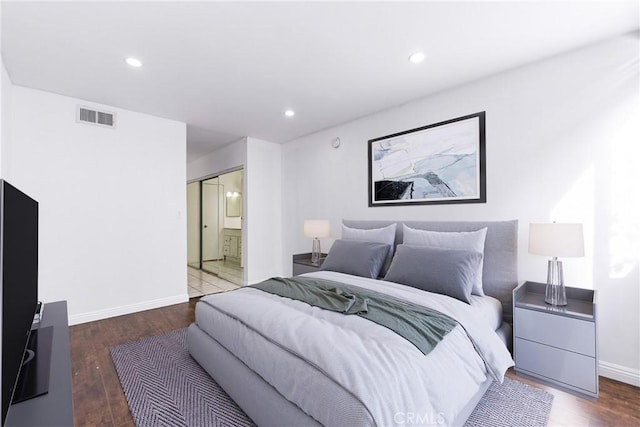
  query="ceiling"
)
[{"x": 231, "y": 69}]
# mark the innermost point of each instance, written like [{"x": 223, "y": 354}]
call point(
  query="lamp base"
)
[
  {"x": 555, "y": 293},
  {"x": 315, "y": 252}
]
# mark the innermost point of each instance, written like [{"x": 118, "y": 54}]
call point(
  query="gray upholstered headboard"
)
[{"x": 500, "y": 273}]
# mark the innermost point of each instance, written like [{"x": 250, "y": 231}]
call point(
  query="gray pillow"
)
[
  {"x": 380, "y": 235},
  {"x": 465, "y": 240},
  {"x": 444, "y": 271},
  {"x": 358, "y": 258}
]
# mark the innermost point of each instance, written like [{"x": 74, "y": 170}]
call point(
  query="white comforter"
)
[{"x": 344, "y": 369}]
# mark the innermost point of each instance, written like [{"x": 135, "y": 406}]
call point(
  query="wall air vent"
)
[{"x": 95, "y": 117}]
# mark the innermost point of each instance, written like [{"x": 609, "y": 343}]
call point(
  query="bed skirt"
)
[{"x": 257, "y": 398}]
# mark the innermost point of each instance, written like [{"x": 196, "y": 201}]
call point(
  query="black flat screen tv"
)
[{"x": 18, "y": 283}]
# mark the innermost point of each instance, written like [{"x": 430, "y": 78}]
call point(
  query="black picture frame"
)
[{"x": 441, "y": 163}]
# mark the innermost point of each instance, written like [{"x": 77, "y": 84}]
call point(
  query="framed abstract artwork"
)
[{"x": 434, "y": 164}]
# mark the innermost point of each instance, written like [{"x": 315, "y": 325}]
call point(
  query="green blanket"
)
[{"x": 419, "y": 325}]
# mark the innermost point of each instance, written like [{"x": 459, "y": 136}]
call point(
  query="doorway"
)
[{"x": 214, "y": 226}]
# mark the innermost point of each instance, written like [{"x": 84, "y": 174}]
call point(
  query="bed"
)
[{"x": 285, "y": 362}]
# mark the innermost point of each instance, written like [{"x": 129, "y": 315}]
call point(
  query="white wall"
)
[
  {"x": 263, "y": 210},
  {"x": 229, "y": 157},
  {"x": 562, "y": 144},
  {"x": 3, "y": 92},
  {"x": 5, "y": 106},
  {"x": 112, "y": 204}
]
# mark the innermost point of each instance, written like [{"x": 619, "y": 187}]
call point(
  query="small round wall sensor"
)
[{"x": 335, "y": 143}]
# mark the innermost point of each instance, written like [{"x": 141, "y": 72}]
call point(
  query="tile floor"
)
[
  {"x": 225, "y": 269},
  {"x": 202, "y": 283}
]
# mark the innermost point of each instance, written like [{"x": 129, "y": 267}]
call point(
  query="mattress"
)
[{"x": 348, "y": 371}]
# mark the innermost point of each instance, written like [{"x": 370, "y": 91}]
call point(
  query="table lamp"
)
[
  {"x": 556, "y": 240},
  {"x": 316, "y": 228}
]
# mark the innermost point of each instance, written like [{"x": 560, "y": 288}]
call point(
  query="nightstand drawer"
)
[
  {"x": 558, "y": 331},
  {"x": 572, "y": 369}
]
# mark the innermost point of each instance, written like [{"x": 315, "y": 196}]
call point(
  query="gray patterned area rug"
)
[{"x": 164, "y": 386}]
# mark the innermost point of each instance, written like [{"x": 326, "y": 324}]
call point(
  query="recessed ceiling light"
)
[
  {"x": 417, "y": 57},
  {"x": 289, "y": 113},
  {"x": 134, "y": 62}
]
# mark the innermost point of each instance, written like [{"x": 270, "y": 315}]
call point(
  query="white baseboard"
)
[
  {"x": 620, "y": 373},
  {"x": 127, "y": 309}
]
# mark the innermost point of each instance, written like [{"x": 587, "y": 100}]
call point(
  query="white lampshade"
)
[
  {"x": 556, "y": 240},
  {"x": 316, "y": 228}
]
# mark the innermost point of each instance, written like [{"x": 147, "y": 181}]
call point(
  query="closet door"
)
[
  {"x": 193, "y": 225},
  {"x": 212, "y": 256}
]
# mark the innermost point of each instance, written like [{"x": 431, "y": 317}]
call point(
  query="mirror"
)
[{"x": 234, "y": 204}]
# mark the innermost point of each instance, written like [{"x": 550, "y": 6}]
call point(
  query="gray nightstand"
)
[
  {"x": 302, "y": 263},
  {"x": 557, "y": 344}
]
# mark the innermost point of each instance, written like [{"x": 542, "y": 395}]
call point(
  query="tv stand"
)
[
  {"x": 54, "y": 408},
  {"x": 36, "y": 365}
]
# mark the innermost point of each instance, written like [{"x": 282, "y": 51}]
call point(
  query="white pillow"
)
[
  {"x": 464, "y": 240},
  {"x": 379, "y": 235}
]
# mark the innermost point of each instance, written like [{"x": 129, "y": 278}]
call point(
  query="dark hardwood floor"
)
[{"x": 99, "y": 401}]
